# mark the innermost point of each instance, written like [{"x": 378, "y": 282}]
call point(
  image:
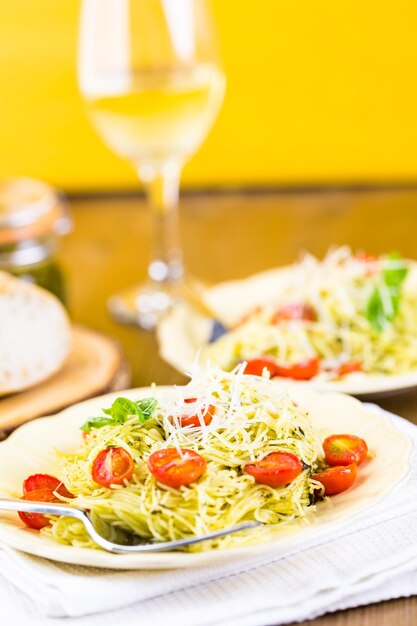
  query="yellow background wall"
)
[{"x": 318, "y": 91}]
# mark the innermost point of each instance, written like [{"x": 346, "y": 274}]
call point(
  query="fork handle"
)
[{"x": 31, "y": 506}]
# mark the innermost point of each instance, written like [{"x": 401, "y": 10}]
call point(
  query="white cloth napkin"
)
[{"x": 373, "y": 559}]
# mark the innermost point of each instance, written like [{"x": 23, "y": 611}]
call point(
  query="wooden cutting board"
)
[{"x": 96, "y": 365}]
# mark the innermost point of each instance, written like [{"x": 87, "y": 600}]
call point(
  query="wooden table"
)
[{"x": 230, "y": 235}]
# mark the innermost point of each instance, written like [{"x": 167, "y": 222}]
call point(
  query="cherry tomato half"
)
[
  {"x": 349, "y": 367},
  {"x": 112, "y": 467},
  {"x": 275, "y": 469},
  {"x": 299, "y": 371},
  {"x": 37, "y": 520},
  {"x": 195, "y": 420},
  {"x": 174, "y": 468},
  {"x": 255, "y": 367},
  {"x": 336, "y": 479},
  {"x": 45, "y": 481},
  {"x": 295, "y": 311},
  {"x": 344, "y": 449}
]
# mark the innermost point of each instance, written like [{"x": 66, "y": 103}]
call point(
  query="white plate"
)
[
  {"x": 30, "y": 449},
  {"x": 183, "y": 332}
]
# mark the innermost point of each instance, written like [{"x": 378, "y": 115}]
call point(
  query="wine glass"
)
[{"x": 150, "y": 74}]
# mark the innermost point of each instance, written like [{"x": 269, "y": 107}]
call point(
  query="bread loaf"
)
[{"x": 35, "y": 334}]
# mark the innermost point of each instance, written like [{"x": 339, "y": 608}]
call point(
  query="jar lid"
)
[{"x": 30, "y": 208}]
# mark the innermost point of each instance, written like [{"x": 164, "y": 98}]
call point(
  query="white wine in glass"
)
[{"x": 150, "y": 74}]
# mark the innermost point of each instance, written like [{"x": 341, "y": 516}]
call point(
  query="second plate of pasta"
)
[{"x": 347, "y": 323}]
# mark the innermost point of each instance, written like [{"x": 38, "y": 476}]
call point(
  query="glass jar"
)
[{"x": 32, "y": 218}]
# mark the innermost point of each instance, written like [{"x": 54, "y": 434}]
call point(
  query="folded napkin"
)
[{"x": 374, "y": 558}]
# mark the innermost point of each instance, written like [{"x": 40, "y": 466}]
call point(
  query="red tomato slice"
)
[
  {"x": 336, "y": 479},
  {"x": 345, "y": 449},
  {"x": 112, "y": 467},
  {"x": 175, "y": 469},
  {"x": 37, "y": 520},
  {"x": 349, "y": 367},
  {"x": 299, "y": 371},
  {"x": 275, "y": 469},
  {"x": 45, "y": 481},
  {"x": 195, "y": 420},
  {"x": 295, "y": 311},
  {"x": 255, "y": 367}
]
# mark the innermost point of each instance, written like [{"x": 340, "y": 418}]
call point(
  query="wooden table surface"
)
[{"x": 231, "y": 235}]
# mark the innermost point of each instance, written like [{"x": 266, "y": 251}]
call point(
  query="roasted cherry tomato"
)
[
  {"x": 344, "y": 449},
  {"x": 275, "y": 469},
  {"x": 195, "y": 420},
  {"x": 349, "y": 367},
  {"x": 336, "y": 479},
  {"x": 295, "y": 311},
  {"x": 256, "y": 366},
  {"x": 45, "y": 481},
  {"x": 299, "y": 371},
  {"x": 174, "y": 468},
  {"x": 37, "y": 520},
  {"x": 112, "y": 467}
]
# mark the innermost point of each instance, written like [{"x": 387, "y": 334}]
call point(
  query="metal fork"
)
[{"x": 113, "y": 538}]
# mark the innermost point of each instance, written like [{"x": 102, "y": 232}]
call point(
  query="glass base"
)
[{"x": 142, "y": 306}]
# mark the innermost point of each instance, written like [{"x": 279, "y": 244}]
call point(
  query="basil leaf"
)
[
  {"x": 375, "y": 311},
  {"x": 120, "y": 411},
  {"x": 395, "y": 272},
  {"x": 122, "y": 408},
  {"x": 96, "y": 422},
  {"x": 384, "y": 302},
  {"x": 147, "y": 406}
]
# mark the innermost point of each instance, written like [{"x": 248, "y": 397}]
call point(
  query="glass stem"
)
[{"x": 162, "y": 184}]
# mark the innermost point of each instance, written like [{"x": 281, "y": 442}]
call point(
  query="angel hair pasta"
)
[
  {"x": 348, "y": 314},
  {"x": 230, "y": 422}
]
